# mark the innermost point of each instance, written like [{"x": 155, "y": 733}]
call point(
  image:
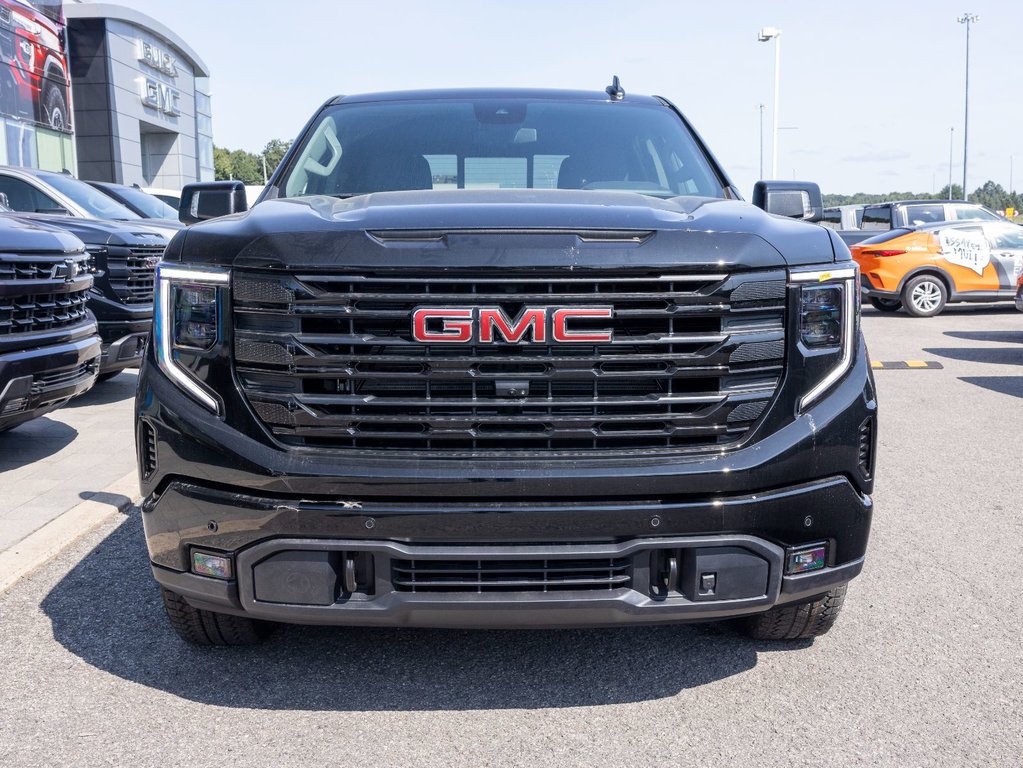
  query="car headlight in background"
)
[
  {"x": 828, "y": 324},
  {"x": 188, "y": 327}
]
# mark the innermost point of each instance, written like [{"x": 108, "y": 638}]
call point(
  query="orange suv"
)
[{"x": 923, "y": 268}]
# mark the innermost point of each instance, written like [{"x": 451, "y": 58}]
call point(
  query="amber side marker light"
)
[
  {"x": 209, "y": 564},
  {"x": 811, "y": 557}
]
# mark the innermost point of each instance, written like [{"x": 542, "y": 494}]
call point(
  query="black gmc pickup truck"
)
[
  {"x": 49, "y": 350},
  {"x": 122, "y": 259},
  {"x": 504, "y": 359}
]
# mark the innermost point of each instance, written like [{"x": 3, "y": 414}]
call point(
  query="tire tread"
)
[
  {"x": 798, "y": 622},
  {"x": 208, "y": 628}
]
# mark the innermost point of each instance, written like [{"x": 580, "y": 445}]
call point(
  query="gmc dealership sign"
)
[{"x": 155, "y": 93}]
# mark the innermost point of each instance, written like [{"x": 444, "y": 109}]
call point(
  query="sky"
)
[{"x": 869, "y": 93}]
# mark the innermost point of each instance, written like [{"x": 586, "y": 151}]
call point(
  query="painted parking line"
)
[{"x": 905, "y": 365}]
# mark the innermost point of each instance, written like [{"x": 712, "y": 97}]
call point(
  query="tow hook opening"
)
[{"x": 708, "y": 573}]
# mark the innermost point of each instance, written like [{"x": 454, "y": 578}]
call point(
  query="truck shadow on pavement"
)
[
  {"x": 34, "y": 441},
  {"x": 108, "y": 612},
  {"x": 1011, "y": 355}
]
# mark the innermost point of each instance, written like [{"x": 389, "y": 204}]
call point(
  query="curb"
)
[{"x": 41, "y": 546}]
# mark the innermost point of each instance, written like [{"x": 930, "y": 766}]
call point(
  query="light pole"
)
[
  {"x": 766, "y": 34},
  {"x": 761, "y": 106},
  {"x": 967, "y": 19},
  {"x": 951, "y": 139}
]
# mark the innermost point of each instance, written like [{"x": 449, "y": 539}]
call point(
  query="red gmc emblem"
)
[{"x": 488, "y": 325}]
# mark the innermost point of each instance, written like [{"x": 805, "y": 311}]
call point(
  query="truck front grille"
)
[
  {"x": 39, "y": 293},
  {"x": 481, "y": 576},
  {"x": 64, "y": 377},
  {"x": 329, "y": 360},
  {"x": 133, "y": 277}
]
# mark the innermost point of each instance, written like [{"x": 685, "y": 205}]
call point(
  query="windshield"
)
[
  {"x": 92, "y": 200},
  {"x": 499, "y": 144},
  {"x": 150, "y": 206}
]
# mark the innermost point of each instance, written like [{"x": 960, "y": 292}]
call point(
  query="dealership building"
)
[
  {"x": 141, "y": 99},
  {"x": 103, "y": 91}
]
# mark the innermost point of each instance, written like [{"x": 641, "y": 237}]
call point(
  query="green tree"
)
[
  {"x": 992, "y": 195},
  {"x": 222, "y": 164},
  {"x": 246, "y": 167},
  {"x": 957, "y": 193},
  {"x": 273, "y": 152}
]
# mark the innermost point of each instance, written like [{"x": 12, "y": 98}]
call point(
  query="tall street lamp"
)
[
  {"x": 951, "y": 139},
  {"x": 967, "y": 19},
  {"x": 761, "y": 106},
  {"x": 766, "y": 34}
]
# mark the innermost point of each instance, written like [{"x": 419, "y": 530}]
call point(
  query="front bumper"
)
[
  {"x": 360, "y": 569},
  {"x": 124, "y": 329},
  {"x": 224, "y": 491},
  {"x": 35, "y": 381},
  {"x": 124, "y": 352}
]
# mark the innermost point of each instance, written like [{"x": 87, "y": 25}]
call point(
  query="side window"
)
[
  {"x": 832, "y": 218},
  {"x": 1007, "y": 238},
  {"x": 22, "y": 196},
  {"x": 877, "y": 218},
  {"x": 972, "y": 213},
  {"x": 917, "y": 215}
]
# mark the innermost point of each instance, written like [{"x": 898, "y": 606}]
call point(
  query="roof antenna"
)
[{"x": 615, "y": 90}]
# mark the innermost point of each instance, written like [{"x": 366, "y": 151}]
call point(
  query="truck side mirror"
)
[
  {"x": 211, "y": 199},
  {"x": 795, "y": 199}
]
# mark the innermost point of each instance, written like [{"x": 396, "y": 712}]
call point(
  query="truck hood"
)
[
  {"x": 527, "y": 229},
  {"x": 19, "y": 235},
  {"x": 95, "y": 231}
]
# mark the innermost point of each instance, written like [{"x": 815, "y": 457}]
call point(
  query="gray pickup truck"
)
[{"x": 881, "y": 217}]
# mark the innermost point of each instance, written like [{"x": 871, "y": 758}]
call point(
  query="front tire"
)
[
  {"x": 804, "y": 621},
  {"x": 207, "y": 628},
  {"x": 924, "y": 296},
  {"x": 54, "y": 107}
]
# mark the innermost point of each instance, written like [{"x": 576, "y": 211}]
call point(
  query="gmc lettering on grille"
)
[{"x": 489, "y": 325}]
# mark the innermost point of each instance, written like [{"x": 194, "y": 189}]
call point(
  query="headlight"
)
[
  {"x": 188, "y": 328},
  {"x": 195, "y": 308},
  {"x": 828, "y": 325}
]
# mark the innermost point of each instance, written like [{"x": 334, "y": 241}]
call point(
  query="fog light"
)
[
  {"x": 207, "y": 564},
  {"x": 809, "y": 558}
]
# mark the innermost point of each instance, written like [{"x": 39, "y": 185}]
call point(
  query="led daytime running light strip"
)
[
  {"x": 166, "y": 276},
  {"x": 849, "y": 276}
]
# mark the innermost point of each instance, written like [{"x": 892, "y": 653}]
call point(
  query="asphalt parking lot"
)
[{"x": 924, "y": 668}]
